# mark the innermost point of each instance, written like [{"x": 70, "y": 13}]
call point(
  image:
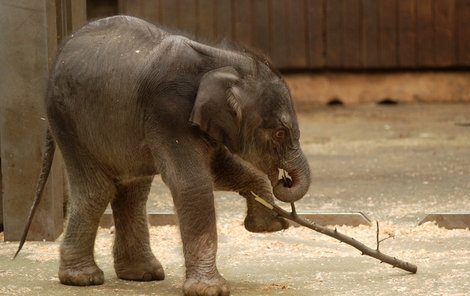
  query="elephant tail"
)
[{"x": 45, "y": 170}]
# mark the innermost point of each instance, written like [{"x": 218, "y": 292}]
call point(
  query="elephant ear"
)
[{"x": 217, "y": 110}]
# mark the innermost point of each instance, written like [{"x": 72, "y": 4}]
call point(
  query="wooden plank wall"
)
[{"x": 327, "y": 34}]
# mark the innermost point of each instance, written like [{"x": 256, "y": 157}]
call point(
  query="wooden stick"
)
[{"x": 365, "y": 250}]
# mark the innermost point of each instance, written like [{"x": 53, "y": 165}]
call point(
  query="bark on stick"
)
[{"x": 365, "y": 250}]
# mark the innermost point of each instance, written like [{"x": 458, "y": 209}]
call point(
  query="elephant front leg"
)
[
  {"x": 196, "y": 214},
  {"x": 235, "y": 174},
  {"x": 260, "y": 219}
]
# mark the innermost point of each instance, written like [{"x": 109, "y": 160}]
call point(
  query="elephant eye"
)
[{"x": 280, "y": 134}]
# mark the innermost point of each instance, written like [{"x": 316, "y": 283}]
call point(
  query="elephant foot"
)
[
  {"x": 206, "y": 287},
  {"x": 81, "y": 276},
  {"x": 142, "y": 270},
  {"x": 266, "y": 223}
]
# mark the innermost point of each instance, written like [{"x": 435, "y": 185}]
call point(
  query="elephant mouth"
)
[
  {"x": 279, "y": 175},
  {"x": 286, "y": 179},
  {"x": 275, "y": 176},
  {"x": 292, "y": 179}
]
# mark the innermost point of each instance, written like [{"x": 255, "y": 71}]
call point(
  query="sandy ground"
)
[{"x": 396, "y": 164}]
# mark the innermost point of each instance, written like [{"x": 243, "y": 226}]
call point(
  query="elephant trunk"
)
[{"x": 298, "y": 169}]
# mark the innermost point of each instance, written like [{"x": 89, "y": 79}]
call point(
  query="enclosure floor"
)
[{"x": 394, "y": 163}]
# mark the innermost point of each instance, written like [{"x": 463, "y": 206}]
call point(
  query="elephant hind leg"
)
[
  {"x": 91, "y": 191},
  {"x": 133, "y": 257}
]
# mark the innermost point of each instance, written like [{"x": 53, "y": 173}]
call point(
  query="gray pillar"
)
[
  {"x": 28, "y": 41},
  {"x": 1, "y": 191}
]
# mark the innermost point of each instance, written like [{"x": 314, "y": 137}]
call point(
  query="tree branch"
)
[
  {"x": 365, "y": 250},
  {"x": 381, "y": 240}
]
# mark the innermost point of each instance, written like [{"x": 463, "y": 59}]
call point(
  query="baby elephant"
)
[{"x": 127, "y": 100}]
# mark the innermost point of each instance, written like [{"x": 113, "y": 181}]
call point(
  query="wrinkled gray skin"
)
[{"x": 126, "y": 101}]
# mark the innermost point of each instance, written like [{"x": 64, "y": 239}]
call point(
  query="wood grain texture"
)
[
  {"x": 388, "y": 57},
  {"x": 407, "y": 55},
  {"x": 296, "y": 34},
  {"x": 242, "y": 21},
  {"x": 327, "y": 34},
  {"x": 279, "y": 33},
  {"x": 370, "y": 34},
  {"x": 352, "y": 37},
  {"x": 425, "y": 33},
  {"x": 223, "y": 19},
  {"x": 205, "y": 19},
  {"x": 333, "y": 32},
  {"x": 463, "y": 29},
  {"x": 187, "y": 16},
  {"x": 315, "y": 21},
  {"x": 167, "y": 12},
  {"x": 261, "y": 26}
]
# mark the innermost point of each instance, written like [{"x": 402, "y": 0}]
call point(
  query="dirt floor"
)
[{"x": 394, "y": 163}]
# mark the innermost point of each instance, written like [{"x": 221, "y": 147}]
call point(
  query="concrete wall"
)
[
  {"x": 1, "y": 191},
  {"x": 403, "y": 87},
  {"x": 29, "y": 32},
  {"x": 25, "y": 53}
]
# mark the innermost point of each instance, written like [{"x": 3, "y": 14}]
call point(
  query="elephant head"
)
[{"x": 252, "y": 114}]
